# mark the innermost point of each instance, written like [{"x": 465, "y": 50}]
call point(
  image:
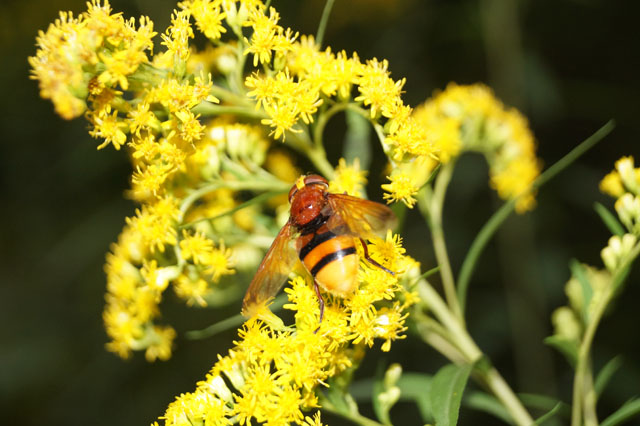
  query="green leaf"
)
[
  {"x": 489, "y": 404},
  {"x": 629, "y": 410},
  {"x": 231, "y": 322},
  {"x": 579, "y": 272},
  {"x": 416, "y": 387},
  {"x": 495, "y": 221},
  {"x": 378, "y": 388},
  {"x": 609, "y": 219},
  {"x": 543, "y": 402},
  {"x": 540, "y": 420},
  {"x": 356, "y": 139},
  {"x": 566, "y": 347},
  {"x": 255, "y": 200},
  {"x": 446, "y": 392},
  {"x": 606, "y": 373}
]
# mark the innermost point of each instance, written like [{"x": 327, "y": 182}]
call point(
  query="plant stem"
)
[
  {"x": 236, "y": 185},
  {"x": 583, "y": 409},
  {"x": 501, "y": 390},
  {"x": 583, "y": 393},
  {"x": 323, "y": 22},
  {"x": 433, "y": 205},
  {"x": 356, "y": 418},
  {"x": 316, "y": 154},
  {"x": 490, "y": 377},
  {"x": 496, "y": 220},
  {"x": 209, "y": 109},
  {"x": 451, "y": 323},
  {"x": 323, "y": 119}
]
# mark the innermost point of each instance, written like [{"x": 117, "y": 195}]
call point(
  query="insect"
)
[{"x": 325, "y": 228}]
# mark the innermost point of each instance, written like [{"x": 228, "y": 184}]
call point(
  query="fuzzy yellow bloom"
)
[
  {"x": 611, "y": 184},
  {"x": 275, "y": 371},
  {"x": 156, "y": 223},
  {"x": 377, "y": 90},
  {"x": 349, "y": 178},
  {"x": 470, "y": 118},
  {"x": 401, "y": 188},
  {"x": 176, "y": 38},
  {"x": 284, "y": 100},
  {"x": 209, "y": 16}
]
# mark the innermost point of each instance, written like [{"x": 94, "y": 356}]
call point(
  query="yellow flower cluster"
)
[
  {"x": 623, "y": 183},
  {"x": 349, "y": 179},
  {"x": 138, "y": 273},
  {"x": 571, "y": 321},
  {"x": 95, "y": 50},
  {"x": 312, "y": 78},
  {"x": 470, "y": 118},
  {"x": 271, "y": 375}
]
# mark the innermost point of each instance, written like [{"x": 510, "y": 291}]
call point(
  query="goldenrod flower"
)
[
  {"x": 470, "y": 118},
  {"x": 209, "y": 16},
  {"x": 349, "y": 179},
  {"x": 401, "y": 188},
  {"x": 274, "y": 371},
  {"x": 377, "y": 90}
]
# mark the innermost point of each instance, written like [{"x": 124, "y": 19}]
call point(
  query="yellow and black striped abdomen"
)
[{"x": 331, "y": 259}]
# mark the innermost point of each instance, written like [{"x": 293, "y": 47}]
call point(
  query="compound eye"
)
[
  {"x": 292, "y": 192},
  {"x": 315, "y": 179}
]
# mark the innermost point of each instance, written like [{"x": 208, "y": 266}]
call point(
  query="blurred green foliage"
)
[{"x": 569, "y": 65}]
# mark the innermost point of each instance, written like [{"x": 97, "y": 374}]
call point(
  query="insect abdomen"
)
[{"x": 332, "y": 260}]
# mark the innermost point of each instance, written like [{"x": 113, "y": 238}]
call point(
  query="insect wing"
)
[
  {"x": 361, "y": 217},
  {"x": 272, "y": 272}
]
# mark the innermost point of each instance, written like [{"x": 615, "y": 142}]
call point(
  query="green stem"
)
[
  {"x": 356, "y": 418},
  {"x": 581, "y": 381},
  {"x": 584, "y": 396},
  {"x": 496, "y": 220},
  {"x": 323, "y": 119},
  {"x": 235, "y": 185},
  {"x": 451, "y": 323},
  {"x": 433, "y": 205},
  {"x": 229, "y": 323},
  {"x": 490, "y": 377},
  {"x": 316, "y": 154},
  {"x": 436, "y": 336},
  {"x": 229, "y": 96},
  {"x": 209, "y": 109},
  {"x": 323, "y": 22}
]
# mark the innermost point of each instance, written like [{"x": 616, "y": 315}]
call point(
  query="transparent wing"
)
[
  {"x": 361, "y": 217},
  {"x": 272, "y": 272}
]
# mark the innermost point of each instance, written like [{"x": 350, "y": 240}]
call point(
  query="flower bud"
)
[
  {"x": 566, "y": 324},
  {"x": 617, "y": 249},
  {"x": 627, "y": 174},
  {"x": 628, "y": 209}
]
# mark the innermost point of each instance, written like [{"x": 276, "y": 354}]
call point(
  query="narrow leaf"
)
[
  {"x": 606, "y": 373},
  {"x": 629, "y": 410},
  {"x": 495, "y": 221},
  {"x": 378, "y": 388},
  {"x": 356, "y": 139},
  {"x": 231, "y": 322},
  {"x": 580, "y": 273},
  {"x": 489, "y": 404},
  {"x": 543, "y": 403},
  {"x": 566, "y": 347},
  {"x": 255, "y": 200},
  {"x": 540, "y": 420},
  {"x": 609, "y": 219},
  {"x": 446, "y": 392},
  {"x": 416, "y": 387}
]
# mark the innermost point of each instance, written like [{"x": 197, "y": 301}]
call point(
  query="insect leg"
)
[
  {"x": 371, "y": 261},
  {"x": 321, "y": 301}
]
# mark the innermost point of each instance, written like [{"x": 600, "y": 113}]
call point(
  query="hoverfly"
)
[{"x": 326, "y": 228}]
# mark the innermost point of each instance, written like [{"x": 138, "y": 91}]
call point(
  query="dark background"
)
[{"x": 568, "y": 65}]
